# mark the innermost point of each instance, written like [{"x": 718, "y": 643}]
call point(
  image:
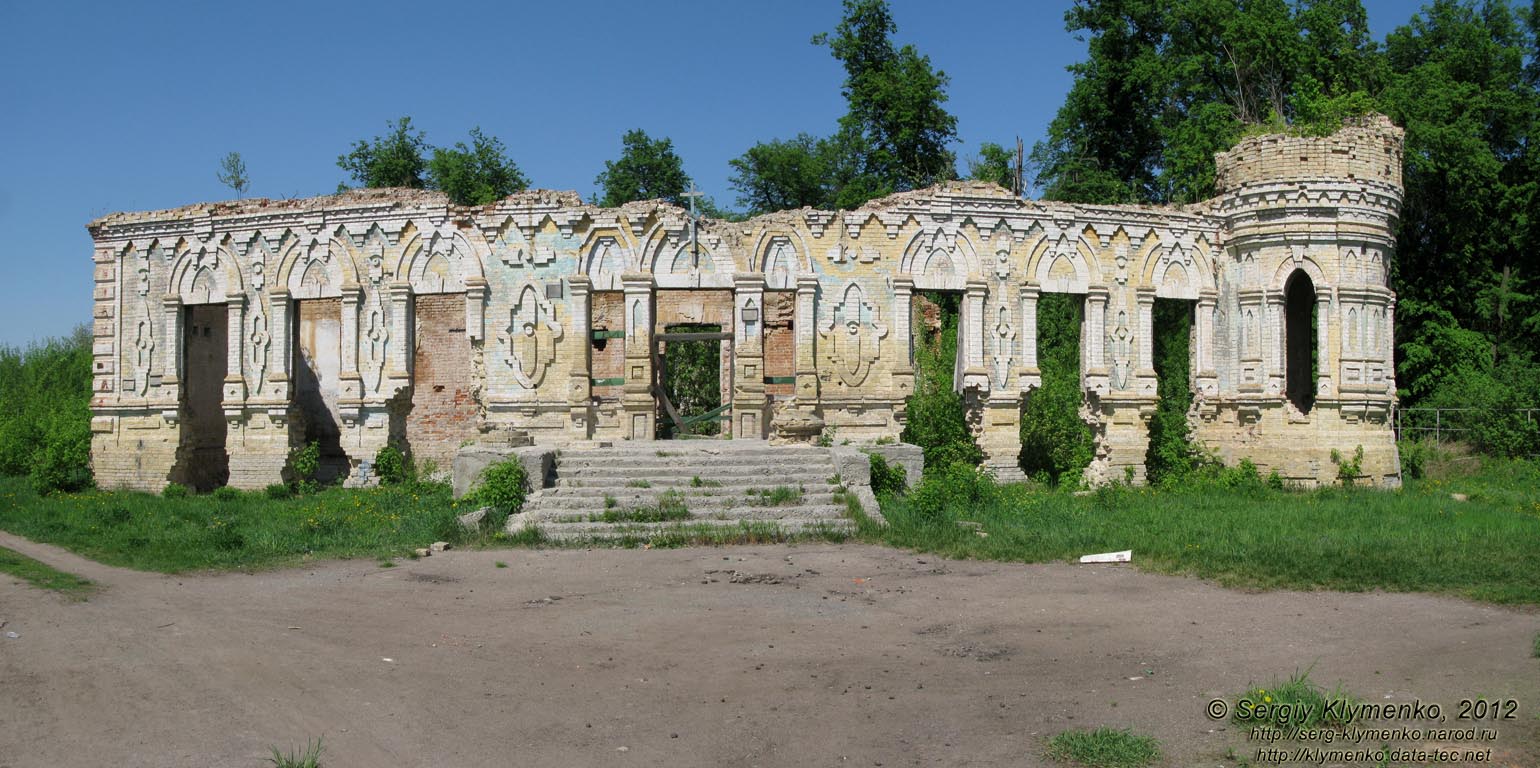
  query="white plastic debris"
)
[{"x": 1109, "y": 557}]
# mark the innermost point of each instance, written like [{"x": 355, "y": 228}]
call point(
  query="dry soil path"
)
[{"x": 799, "y": 656}]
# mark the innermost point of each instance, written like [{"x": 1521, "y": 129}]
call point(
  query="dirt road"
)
[{"x": 756, "y": 656}]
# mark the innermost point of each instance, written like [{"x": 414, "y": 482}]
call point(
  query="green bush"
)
[
  {"x": 45, "y": 416},
  {"x": 955, "y": 485},
  {"x": 226, "y": 493},
  {"x": 390, "y": 465},
  {"x": 278, "y": 491},
  {"x": 1415, "y": 455},
  {"x": 503, "y": 487},
  {"x": 175, "y": 491},
  {"x": 887, "y": 478},
  {"x": 1056, "y": 444},
  {"x": 1348, "y": 470},
  {"x": 937, "y": 421},
  {"x": 1171, "y": 455},
  {"x": 302, "y": 465}
]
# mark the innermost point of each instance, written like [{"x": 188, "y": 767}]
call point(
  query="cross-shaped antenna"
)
[{"x": 694, "y": 222}]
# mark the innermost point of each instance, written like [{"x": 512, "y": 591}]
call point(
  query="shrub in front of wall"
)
[
  {"x": 390, "y": 465},
  {"x": 503, "y": 487}
]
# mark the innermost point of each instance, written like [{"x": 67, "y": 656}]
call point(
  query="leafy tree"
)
[
  {"x": 232, "y": 173},
  {"x": 648, "y": 169},
  {"x": 994, "y": 163},
  {"x": 780, "y": 175},
  {"x": 393, "y": 160},
  {"x": 894, "y": 136},
  {"x": 475, "y": 175}
]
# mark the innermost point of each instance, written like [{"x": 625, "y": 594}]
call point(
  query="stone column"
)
[
  {"x": 1093, "y": 363},
  {"x": 1144, "y": 374},
  {"x": 1276, "y": 353},
  {"x": 398, "y": 361},
  {"x": 1324, "y": 361},
  {"x": 235, "y": 378},
  {"x": 970, "y": 336},
  {"x": 807, "y": 361},
  {"x": 1031, "y": 376},
  {"x": 1388, "y": 345},
  {"x": 350, "y": 384},
  {"x": 749, "y": 356},
  {"x": 171, "y": 374},
  {"x": 1203, "y": 356},
  {"x": 281, "y": 349},
  {"x": 903, "y": 334},
  {"x": 475, "y": 308},
  {"x": 580, "y": 366},
  {"x": 1252, "y": 355},
  {"x": 637, "y": 398}
]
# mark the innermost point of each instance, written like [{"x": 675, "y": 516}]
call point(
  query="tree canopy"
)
[
  {"x": 474, "y": 175},
  {"x": 894, "y": 136},
  {"x": 647, "y": 169}
]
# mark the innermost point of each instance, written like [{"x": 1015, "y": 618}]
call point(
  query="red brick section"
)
[
  {"x": 607, "y": 357},
  {"x": 780, "y": 340},
  {"x": 444, "y": 411}
]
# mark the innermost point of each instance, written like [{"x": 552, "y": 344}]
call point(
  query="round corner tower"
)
[{"x": 1308, "y": 229}]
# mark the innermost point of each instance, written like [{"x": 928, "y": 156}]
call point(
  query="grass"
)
[
  {"x": 1353, "y": 539},
  {"x": 1104, "y": 748},
  {"x": 697, "y": 482},
  {"x": 148, "y": 532},
  {"x": 670, "y": 507},
  {"x": 1284, "y": 700},
  {"x": 310, "y": 758},
  {"x": 638, "y": 484},
  {"x": 44, "y": 576},
  {"x": 779, "y": 496}
]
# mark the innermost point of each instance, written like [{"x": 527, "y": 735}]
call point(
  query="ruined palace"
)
[{"x": 227, "y": 334}]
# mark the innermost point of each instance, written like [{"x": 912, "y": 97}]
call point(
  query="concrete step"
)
[
  {"x": 621, "y": 479},
  {"x": 645, "y": 532},
  {"x": 693, "y": 498},
  {"x": 810, "y": 512}
]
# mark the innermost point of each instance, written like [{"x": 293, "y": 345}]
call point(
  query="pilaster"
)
[
  {"x": 749, "y": 400},
  {"x": 637, "y": 399}
]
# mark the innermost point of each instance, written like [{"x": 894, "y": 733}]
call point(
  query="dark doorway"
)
[
  {"x": 689, "y": 362},
  {"x": 1299, "y": 340},
  {"x": 318, "y": 381},
  {"x": 203, "y": 463}
]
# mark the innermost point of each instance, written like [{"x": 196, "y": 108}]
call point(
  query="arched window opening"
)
[{"x": 1299, "y": 329}]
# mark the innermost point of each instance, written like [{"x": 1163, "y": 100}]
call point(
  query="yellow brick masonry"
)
[{"x": 535, "y": 274}]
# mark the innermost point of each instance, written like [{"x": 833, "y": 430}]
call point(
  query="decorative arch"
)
[
  {"x": 941, "y": 258},
  {"x": 313, "y": 267},
  {"x": 607, "y": 254},
  {"x": 1063, "y": 265},
  {"x": 205, "y": 274},
  {"x": 1177, "y": 271},
  {"x": 1302, "y": 263},
  {"x": 782, "y": 256},
  {"x": 440, "y": 263}
]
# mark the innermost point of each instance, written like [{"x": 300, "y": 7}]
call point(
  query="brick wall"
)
[
  {"x": 444, "y": 410},
  {"x": 607, "y": 357},
  {"x": 780, "y": 340}
]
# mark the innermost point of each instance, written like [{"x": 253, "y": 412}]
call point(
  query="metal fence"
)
[{"x": 1454, "y": 424}]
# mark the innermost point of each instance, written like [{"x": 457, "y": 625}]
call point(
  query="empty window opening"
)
[
  {"x": 1056, "y": 444},
  {"x": 1299, "y": 336},
  {"x": 1169, "y": 453},
  {"x": 936, "y": 416},
  {"x": 202, "y": 462}
]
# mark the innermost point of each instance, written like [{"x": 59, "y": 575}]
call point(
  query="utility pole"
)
[{"x": 1021, "y": 162}]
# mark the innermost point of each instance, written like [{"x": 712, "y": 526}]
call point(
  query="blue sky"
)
[{"x": 113, "y": 106}]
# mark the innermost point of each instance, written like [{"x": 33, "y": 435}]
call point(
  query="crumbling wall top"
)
[{"x": 1368, "y": 148}]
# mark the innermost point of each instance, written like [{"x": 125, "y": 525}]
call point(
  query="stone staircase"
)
[{"x": 641, "y": 491}]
